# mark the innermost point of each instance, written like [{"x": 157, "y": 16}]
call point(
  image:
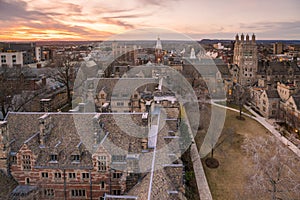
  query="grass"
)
[{"x": 230, "y": 179}]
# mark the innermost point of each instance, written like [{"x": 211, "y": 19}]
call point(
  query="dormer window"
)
[
  {"x": 53, "y": 157},
  {"x": 76, "y": 158}
]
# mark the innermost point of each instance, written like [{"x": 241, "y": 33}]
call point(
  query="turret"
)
[
  {"x": 242, "y": 37},
  {"x": 237, "y": 37},
  {"x": 247, "y": 38},
  {"x": 253, "y": 38}
]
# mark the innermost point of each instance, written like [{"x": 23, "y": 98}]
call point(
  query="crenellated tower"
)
[{"x": 245, "y": 57}]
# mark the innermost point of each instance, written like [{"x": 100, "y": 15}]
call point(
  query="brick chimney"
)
[
  {"x": 44, "y": 81},
  {"x": 45, "y": 124},
  {"x": 81, "y": 107},
  {"x": 98, "y": 126},
  {"x": 3, "y": 145}
]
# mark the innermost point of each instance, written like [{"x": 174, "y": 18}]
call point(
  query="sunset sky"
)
[{"x": 99, "y": 19}]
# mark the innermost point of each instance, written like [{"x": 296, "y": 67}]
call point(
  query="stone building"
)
[
  {"x": 270, "y": 73},
  {"x": 89, "y": 155},
  {"x": 266, "y": 102},
  {"x": 245, "y": 57}
]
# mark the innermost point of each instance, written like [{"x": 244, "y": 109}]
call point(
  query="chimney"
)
[
  {"x": 81, "y": 107},
  {"x": 3, "y": 146},
  {"x": 144, "y": 144},
  {"x": 45, "y": 125},
  {"x": 44, "y": 81}
]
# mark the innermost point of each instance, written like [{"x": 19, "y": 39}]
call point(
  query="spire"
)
[
  {"x": 193, "y": 55},
  {"x": 158, "y": 44}
]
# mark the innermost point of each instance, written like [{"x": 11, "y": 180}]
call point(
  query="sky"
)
[{"x": 103, "y": 19}]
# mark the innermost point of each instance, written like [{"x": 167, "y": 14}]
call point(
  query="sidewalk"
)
[{"x": 268, "y": 126}]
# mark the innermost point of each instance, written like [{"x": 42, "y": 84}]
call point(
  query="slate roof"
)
[
  {"x": 7, "y": 184},
  {"x": 71, "y": 133},
  {"x": 224, "y": 71},
  {"x": 277, "y": 68},
  {"x": 273, "y": 94}
]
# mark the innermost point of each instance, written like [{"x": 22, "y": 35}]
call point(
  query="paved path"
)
[{"x": 267, "y": 125}]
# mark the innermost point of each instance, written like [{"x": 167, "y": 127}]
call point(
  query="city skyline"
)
[{"x": 100, "y": 20}]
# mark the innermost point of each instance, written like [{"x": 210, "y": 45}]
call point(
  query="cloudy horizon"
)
[{"x": 100, "y": 20}]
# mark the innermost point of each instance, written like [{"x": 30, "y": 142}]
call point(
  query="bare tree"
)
[
  {"x": 241, "y": 97},
  {"x": 66, "y": 67},
  {"x": 226, "y": 136},
  {"x": 276, "y": 169},
  {"x": 10, "y": 90}
]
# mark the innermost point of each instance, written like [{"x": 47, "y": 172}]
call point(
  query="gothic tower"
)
[{"x": 245, "y": 56}]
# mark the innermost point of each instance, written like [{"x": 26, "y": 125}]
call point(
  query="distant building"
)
[
  {"x": 278, "y": 48},
  {"x": 30, "y": 52},
  {"x": 271, "y": 72},
  {"x": 10, "y": 59}
]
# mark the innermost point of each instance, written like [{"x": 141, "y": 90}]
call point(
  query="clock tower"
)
[{"x": 245, "y": 57}]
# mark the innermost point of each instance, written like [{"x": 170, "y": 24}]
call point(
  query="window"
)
[
  {"x": 48, "y": 192},
  {"x": 118, "y": 158},
  {"x": 13, "y": 160},
  {"x": 117, "y": 175},
  {"x": 116, "y": 192},
  {"x": 102, "y": 185},
  {"x": 85, "y": 175},
  {"x": 264, "y": 102},
  {"x": 27, "y": 181},
  {"x": 57, "y": 175},
  {"x": 3, "y": 58},
  {"x": 14, "y": 59},
  {"x": 26, "y": 162},
  {"x": 102, "y": 163},
  {"x": 78, "y": 193},
  {"x": 75, "y": 158},
  {"x": 53, "y": 157},
  {"x": 72, "y": 175},
  {"x": 45, "y": 175},
  {"x": 120, "y": 103}
]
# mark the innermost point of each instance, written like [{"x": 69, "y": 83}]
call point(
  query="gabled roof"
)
[{"x": 72, "y": 134}]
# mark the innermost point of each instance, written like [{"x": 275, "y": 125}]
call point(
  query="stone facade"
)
[{"x": 245, "y": 57}]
